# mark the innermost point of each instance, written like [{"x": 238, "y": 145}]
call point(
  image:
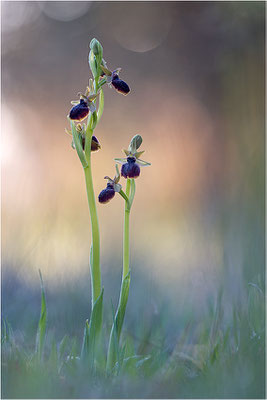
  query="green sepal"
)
[
  {"x": 118, "y": 175},
  {"x": 93, "y": 64},
  {"x": 142, "y": 163},
  {"x": 106, "y": 71},
  {"x": 92, "y": 97},
  {"x": 117, "y": 324},
  {"x": 121, "y": 160},
  {"x": 78, "y": 145},
  {"x": 139, "y": 153},
  {"x": 40, "y": 337}
]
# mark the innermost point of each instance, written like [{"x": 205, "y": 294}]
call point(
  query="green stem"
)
[
  {"x": 126, "y": 233},
  {"x": 113, "y": 348},
  {"x": 95, "y": 259},
  {"x": 95, "y": 248}
]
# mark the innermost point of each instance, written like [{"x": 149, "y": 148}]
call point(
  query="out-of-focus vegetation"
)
[
  {"x": 195, "y": 320},
  {"x": 212, "y": 354}
]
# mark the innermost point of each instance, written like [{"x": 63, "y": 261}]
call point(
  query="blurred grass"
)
[{"x": 218, "y": 353}]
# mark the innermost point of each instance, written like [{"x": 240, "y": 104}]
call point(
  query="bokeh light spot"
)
[
  {"x": 144, "y": 29},
  {"x": 64, "y": 10}
]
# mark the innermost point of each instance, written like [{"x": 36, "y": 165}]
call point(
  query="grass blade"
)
[
  {"x": 117, "y": 324},
  {"x": 92, "y": 331},
  {"x": 40, "y": 337}
]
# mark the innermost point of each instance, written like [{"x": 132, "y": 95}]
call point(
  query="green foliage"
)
[
  {"x": 214, "y": 357},
  {"x": 78, "y": 145},
  {"x": 92, "y": 331},
  {"x": 40, "y": 337},
  {"x": 113, "y": 349}
]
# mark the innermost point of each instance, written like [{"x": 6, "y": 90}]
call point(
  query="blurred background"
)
[{"x": 196, "y": 72}]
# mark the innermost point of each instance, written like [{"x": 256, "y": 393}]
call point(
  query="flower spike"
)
[{"x": 132, "y": 163}]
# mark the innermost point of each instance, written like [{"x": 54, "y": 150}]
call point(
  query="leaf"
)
[
  {"x": 6, "y": 332},
  {"x": 53, "y": 357},
  {"x": 40, "y": 337},
  {"x": 92, "y": 330},
  {"x": 117, "y": 324},
  {"x": 100, "y": 105},
  {"x": 62, "y": 346},
  {"x": 256, "y": 309},
  {"x": 134, "y": 362},
  {"x": 78, "y": 145}
]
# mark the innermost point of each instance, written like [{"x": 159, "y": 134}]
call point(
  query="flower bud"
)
[
  {"x": 96, "y": 47},
  {"x": 130, "y": 169},
  {"x": 120, "y": 85},
  {"x": 95, "y": 145},
  {"x": 135, "y": 144},
  {"x": 79, "y": 112},
  {"x": 106, "y": 194}
]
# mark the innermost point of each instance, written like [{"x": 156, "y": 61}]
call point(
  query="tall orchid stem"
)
[
  {"x": 113, "y": 348},
  {"x": 95, "y": 248}
]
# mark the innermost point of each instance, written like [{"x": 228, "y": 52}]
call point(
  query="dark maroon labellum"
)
[
  {"x": 120, "y": 85},
  {"x": 106, "y": 194},
  {"x": 130, "y": 169},
  {"x": 79, "y": 112},
  {"x": 95, "y": 145}
]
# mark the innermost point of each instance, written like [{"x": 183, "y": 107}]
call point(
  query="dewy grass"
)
[{"x": 88, "y": 107}]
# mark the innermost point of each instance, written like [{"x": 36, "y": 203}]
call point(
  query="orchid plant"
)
[{"x": 89, "y": 108}]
